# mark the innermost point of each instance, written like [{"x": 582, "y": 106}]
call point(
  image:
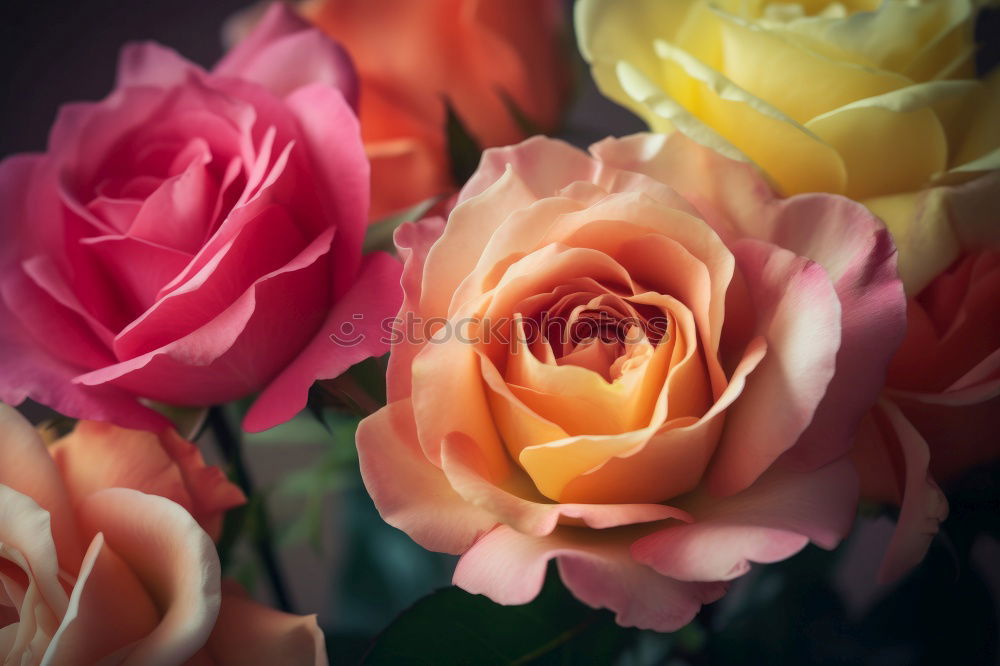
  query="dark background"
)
[
  {"x": 56, "y": 52},
  {"x": 53, "y": 52}
]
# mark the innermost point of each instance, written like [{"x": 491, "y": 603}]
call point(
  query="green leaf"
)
[
  {"x": 463, "y": 150},
  {"x": 379, "y": 234},
  {"x": 454, "y": 627}
]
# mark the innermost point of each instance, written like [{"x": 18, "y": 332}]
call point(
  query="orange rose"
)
[
  {"x": 104, "y": 556},
  {"x": 479, "y": 56}
]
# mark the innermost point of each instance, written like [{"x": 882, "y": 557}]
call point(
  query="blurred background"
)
[{"x": 341, "y": 562}]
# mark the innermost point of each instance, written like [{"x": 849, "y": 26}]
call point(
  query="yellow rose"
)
[{"x": 876, "y": 101}]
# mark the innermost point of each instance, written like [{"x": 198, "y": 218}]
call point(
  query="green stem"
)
[{"x": 229, "y": 444}]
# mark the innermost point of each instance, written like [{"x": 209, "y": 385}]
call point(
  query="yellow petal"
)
[
  {"x": 660, "y": 112},
  {"x": 791, "y": 154},
  {"x": 799, "y": 82},
  {"x": 893, "y": 142},
  {"x": 915, "y": 39}
]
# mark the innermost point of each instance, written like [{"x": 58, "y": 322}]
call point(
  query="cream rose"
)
[{"x": 874, "y": 100}]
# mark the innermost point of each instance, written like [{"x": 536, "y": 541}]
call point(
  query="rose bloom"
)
[
  {"x": 874, "y": 100},
  {"x": 742, "y": 338},
  {"x": 105, "y": 556},
  {"x": 940, "y": 412},
  {"x": 479, "y": 56},
  {"x": 192, "y": 238}
]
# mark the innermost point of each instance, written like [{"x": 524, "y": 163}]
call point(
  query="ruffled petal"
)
[
  {"x": 332, "y": 141},
  {"x": 189, "y": 370},
  {"x": 409, "y": 492},
  {"x": 799, "y": 314},
  {"x": 97, "y": 456},
  {"x": 109, "y": 611},
  {"x": 768, "y": 522},
  {"x": 284, "y": 52},
  {"x": 509, "y": 568},
  {"x": 26, "y": 534},
  {"x": 355, "y": 329},
  {"x": 413, "y": 240},
  {"x": 31, "y": 372},
  {"x": 891, "y": 440},
  {"x": 518, "y": 505},
  {"x": 27, "y": 467},
  {"x": 173, "y": 559}
]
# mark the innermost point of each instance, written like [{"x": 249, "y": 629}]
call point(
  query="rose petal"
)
[
  {"x": 522, "y": 508},
  {"x": 284, "y": 52},
  {"x": 358, "y": 320},
  {"x": 768, "y": 522},
  {"x": 267, "y": 244},
  {"x": 333, "y": 144},
  {"x": 799, "y": 314},
  {"x": 253, "y": 634},
  {"x": 404, "y": 172},
  {"x": 469, "y": 227},
  {"x": 196, "y": 369},
  {"x": 96, "y": 456},
  {"x": 109, "y": 611},
  {"x": 174, "y": 560},
  {"x": 31, "y": 372},
  {"x": 306, "y": 58},
  {"x": 153, "y": 65},
  {"x": 138, "y": 267},
  {"x": 19, "y": 175},
  {"x": 922, "y": 504},
  {"x": 634, "y": 462},
  {"x": 858, "y": 255},
  {"x": 26, "y": 467},
  {"x": 409, "y": 492},
  {"x": 25, "y": 531},
  {"x": 509, "y": 568},
  {"x": 413, "y": 241},
  {"x": 46, "y": 308}
]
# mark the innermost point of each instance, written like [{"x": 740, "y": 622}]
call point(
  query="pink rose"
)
[
  {"x": 194, "y": 237},
  {"x": 940, "y": 411},
  {"x": 639, "y": 362},
  {"x": 105, "y": 558}
]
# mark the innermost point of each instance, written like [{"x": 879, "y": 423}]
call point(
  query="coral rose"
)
[
  {"x": 104, "y": 556},
  {"x": 641, "y": 363},
  {"x": 874, "y": 99},
  {"x": 192, "y": 238},
  {"x": 479, "y": 56},
  {"x": 940, "y": 413}
]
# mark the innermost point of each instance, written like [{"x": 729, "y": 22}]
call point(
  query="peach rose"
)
[
  {"x": 105, "y": 557},
  {"x": 940, "y": 413},
  {"x": 478, "y": 55},
  {"x": 639, "y": 362}
]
